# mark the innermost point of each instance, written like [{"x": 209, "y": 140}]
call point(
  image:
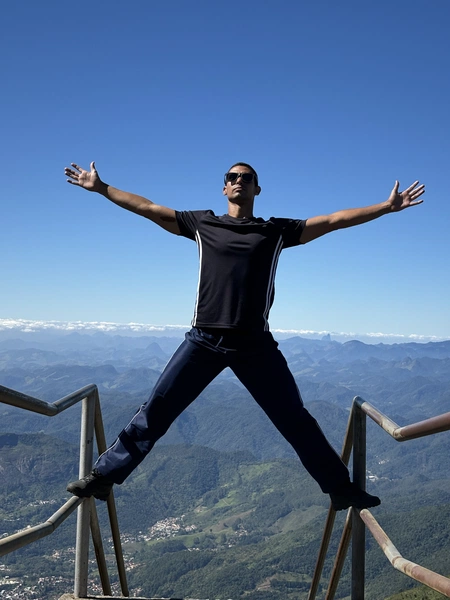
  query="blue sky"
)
[{"x": 331, "y": 102}]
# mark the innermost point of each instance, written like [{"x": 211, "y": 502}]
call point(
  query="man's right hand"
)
[{"x": 89, "y": 180}]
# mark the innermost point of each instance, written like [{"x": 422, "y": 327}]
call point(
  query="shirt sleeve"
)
[
  {"x": 188, "y": 222},
  {"x": 291, "y": 230}
]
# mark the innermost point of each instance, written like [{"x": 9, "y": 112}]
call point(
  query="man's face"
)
[{"x": 239, "y": 191}]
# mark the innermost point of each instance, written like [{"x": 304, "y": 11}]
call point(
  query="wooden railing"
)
[
  {"x": 357, "y": 521},
  {"x": 91, "y": 422}
]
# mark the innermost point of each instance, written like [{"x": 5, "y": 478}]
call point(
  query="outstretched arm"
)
[
  {"x": 397, "y": 201},
  {"x": 90, "y": 180}
]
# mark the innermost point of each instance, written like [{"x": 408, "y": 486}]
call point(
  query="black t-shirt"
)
[{"x": 238, "y": 261}]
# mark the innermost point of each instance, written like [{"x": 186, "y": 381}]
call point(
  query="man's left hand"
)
[{"x": 409, "y": 197}]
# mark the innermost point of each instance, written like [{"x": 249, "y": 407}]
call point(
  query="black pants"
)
[{"x": 260, "y": 366}]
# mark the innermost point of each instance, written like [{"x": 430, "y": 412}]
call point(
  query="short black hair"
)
[{"x": 243, "y": 164}]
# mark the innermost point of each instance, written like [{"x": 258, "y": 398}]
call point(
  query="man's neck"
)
[{"x": 240, "y": 212}]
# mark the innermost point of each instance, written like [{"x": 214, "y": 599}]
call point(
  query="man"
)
[{"x": 238, "y": 258}]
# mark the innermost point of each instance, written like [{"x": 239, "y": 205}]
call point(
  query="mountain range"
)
[{"x": 223, "y": 454}]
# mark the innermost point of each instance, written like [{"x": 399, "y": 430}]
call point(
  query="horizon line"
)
[{"x": 35, "y": 325}]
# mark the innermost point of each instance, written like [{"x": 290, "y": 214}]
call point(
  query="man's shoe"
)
[
  {"x": 351, "y": 494},
  {"x": 95, "y": 484}
]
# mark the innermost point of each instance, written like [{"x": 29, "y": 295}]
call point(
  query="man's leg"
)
[
  {"x": 265, "y": 374},
  {"x": 193, "y": 366}
]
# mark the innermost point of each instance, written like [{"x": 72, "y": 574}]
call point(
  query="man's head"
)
[{"x": 241, "y": 183}]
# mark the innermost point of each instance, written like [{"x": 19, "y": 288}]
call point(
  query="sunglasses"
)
[{"x": 246, "y": 177}]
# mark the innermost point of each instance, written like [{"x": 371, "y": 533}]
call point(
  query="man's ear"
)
[
  {"x": 224, "y": 191},
  {"x": 257, "y": 190}
]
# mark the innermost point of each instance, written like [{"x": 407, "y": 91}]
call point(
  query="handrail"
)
[
  {"x": 14, "y": 398},
  {"x": 407, "y": 432},
  {"x": 32, "y": 534},
  {"x": 355, "y": 437},
  {"x": 91, "y": 421},
  {"x": 429, "y": 578}
]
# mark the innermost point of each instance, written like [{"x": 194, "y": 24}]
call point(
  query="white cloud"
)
[{"x": 29, "y": 326}]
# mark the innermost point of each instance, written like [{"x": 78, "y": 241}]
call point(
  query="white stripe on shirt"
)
[{"x": 271, "y": 283}]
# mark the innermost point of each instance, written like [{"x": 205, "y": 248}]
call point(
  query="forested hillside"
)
[{"x": 200, "y": 523}]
